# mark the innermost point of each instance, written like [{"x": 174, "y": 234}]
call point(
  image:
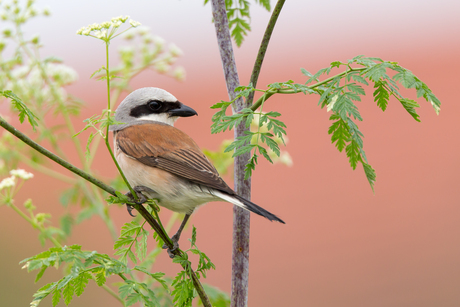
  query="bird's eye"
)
[{"x": 154, "y": 105}]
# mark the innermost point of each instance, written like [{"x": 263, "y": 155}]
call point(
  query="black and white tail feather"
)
[{"x": 248, "y": 205}]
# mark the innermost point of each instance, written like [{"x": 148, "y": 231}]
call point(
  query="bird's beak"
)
[{"x": 183, "y": 111}]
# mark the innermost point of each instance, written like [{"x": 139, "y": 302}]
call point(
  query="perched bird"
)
[{"x": 163, "y": 162}]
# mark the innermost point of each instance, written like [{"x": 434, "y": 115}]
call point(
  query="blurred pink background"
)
[{"x": 342, "y": 244}]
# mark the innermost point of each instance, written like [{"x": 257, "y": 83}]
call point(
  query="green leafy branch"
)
[
  {"x": 239, "y": 17},
  {"x": 183, "y": 283},
  {"x": 20, "y": 106},
  {"x": 132, "y": 234},
  {"x": 339, "y": 94},
  {"x": 86, "y": 265}
]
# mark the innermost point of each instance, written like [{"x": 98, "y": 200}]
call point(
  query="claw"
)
[
  {"x": 171, "y": 251},
  {"x": 130, "y": 210},
  {"x": 142, "y": 198}
]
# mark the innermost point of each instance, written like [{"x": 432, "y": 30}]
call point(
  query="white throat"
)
[{"x": 162, "y": 118}]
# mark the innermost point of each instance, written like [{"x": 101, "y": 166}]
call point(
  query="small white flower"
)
[
  {"x": 134, "y": 23},
  {"x": 115, "y": 19},
  {"x": 95, "y": 26},
  {"x": 46, "y": 12},
  {"x": 159, "y": 42},
  {"x": 32, "y": 12},
  {"x": 179, "y": 73},
  {"x": 106, "y": 24},
  {"x": 86, "y": 31},
  {"x": 174, "y": 50},
  {"x": 62, "y": 73},
  {"x": 161, "y": 67},
  {"x": 21, "y": 174},
  {"x": 143, "y": 30},
  {"x": 331, "y": 104},
  {"x": 116, "y": 24},
  {"x": 7, "y": 182},
  {"x": 128, "y": 35},
  {"x": 80, "y": 31},
  {"x": 25, "y": 266},
  {"x": 101, "y": 34},
  {"x": 286, "y": 159},
  {"x": 148, "y": 38}
]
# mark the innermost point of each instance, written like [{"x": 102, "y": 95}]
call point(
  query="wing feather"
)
[{"x": 167, "y": 148}]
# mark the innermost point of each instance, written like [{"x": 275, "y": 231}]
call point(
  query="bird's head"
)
[{"x": 150, "y": 103}]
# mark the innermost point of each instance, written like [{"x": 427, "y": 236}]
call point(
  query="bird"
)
[{"x": 163, "y": 162}]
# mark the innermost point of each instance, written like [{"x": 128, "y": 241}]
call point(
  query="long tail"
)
[{"x": 248, "y": 205}]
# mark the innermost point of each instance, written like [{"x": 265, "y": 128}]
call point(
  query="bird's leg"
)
[
  {"x": 142, "y": 199},
  {"x": 176, "y": 237}
]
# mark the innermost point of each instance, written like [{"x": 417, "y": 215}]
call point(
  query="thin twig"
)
[
  {"x": 270, "y": 93},
  {"x": 263, "y": 47}
]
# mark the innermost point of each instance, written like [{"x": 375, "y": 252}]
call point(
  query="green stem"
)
[
  {"x": 196, "y": 282},
  {"x": 45, "y": 170},
  {"x": 107, "y": 129},
  {"x": 113, "y": 294},
  {"x": 263, "y": 47},
  {"x": 33, "y": 223},
  {"x": 72, "y": 131},
  {"x": 55, "y": 158},
  {"x": 271, "y": 92},
  {"x": 56, "y": 243}
]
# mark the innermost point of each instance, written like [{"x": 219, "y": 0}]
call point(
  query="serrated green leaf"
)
[
  {"x": 339, "y": 130},
  {"x": 122, "y": 241},
  {"x": 265, "y": 4},
  {"x": 67, "y": 222},
  {"x": 98, "y": 71},
  {"x": 141, "y": 245},
  {"x": 133, "y": 298},
  {"x": 21, "y": 107},
  {"x": 370, "y": 174},
  {"x": 193, "y": 241},
  {"x": 410, "y": 106},
  {"x": 336, "y": 64},
  {"x": 381, "y": 95},
  {"x": 100, "y": 277},
  {"x": 352, "y": 151},
  {"x": 356, "y": 77},
  {"x": 80, "y": 283},
  {"x": 126, "y": 289},
  {"x": 306, "y": 72},
  {"x": 129, "y": 229},
  {"x": 377, "y": 71},
  {"x": 56, "y": 297},
  {"x": 68, "y": 293},
  {"x": 131, "y": 256}
]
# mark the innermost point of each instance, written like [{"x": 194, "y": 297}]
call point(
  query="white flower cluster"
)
[
  {"x": 28, "y": 82},
  {"x": 8, "y": 182},
  {"x": 21, "y": 174},
  {"x": 100, "y": 30}
]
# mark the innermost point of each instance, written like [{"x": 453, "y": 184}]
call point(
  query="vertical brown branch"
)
[{"x": 240, "y": 254}]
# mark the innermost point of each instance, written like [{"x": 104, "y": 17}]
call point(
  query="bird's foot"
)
[
  {"x": 142, "y": 198},
  {"x": 175, "y": 240}
]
